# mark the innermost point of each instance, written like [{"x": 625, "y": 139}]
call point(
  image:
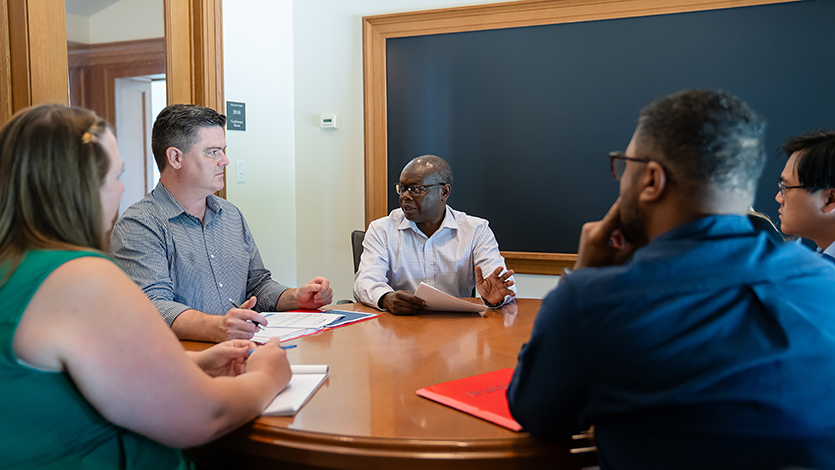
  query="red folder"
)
[{"x": 483, "y": 396}]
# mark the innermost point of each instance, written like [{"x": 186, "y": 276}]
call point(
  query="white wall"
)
[
  {"x": 78, "y": 28},
  {"x": 128, "y": 20},
  {"x": 125, "y": 20},
  {"x": 258, "y": 70},
  {"x": 329, "y": 164}
]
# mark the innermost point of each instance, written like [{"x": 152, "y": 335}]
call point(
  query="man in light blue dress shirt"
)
[
  {"x": 807, "y": 190},
  {"x": 427, "y": 241},
  {"x": 192, "y": 252}
]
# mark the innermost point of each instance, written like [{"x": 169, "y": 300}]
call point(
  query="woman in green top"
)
[{"x": 89, "y": 375}]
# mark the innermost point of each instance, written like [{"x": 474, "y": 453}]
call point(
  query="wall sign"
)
[{"x": 235, "y": 116}]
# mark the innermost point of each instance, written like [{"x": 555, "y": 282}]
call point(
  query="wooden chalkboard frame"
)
[{"x": 377, "y": 29}]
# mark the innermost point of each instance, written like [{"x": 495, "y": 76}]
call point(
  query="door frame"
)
[{"x": 33, "y": 54}]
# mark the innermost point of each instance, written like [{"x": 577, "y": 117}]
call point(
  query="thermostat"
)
[{"x": 328, "y": 121}]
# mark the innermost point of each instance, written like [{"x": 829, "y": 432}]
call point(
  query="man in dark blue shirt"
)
[{"x": 685, "y": 338}]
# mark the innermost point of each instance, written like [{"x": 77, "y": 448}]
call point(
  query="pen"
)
[
  {"x": 289, "y": 346},
  {"x": 235, "y": 304}
]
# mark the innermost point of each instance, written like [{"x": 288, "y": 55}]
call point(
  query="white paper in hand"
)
[{"x": 437, "y": 300}]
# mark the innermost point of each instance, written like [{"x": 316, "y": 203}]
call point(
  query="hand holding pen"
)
[{"x": 241, "y": 322}]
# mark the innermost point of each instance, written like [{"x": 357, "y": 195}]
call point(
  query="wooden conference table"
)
[{"x": 367, "y": 416}]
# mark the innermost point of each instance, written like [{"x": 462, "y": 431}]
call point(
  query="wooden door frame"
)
[
  {"x": 377, "y": 29},
  {"x": 33, "y": 54}
]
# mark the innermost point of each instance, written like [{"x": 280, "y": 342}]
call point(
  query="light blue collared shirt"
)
[
  {"x": 182, "y": 263},
  {"x": 398, "y": 256}
]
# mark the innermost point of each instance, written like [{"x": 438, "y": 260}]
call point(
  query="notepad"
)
[
  {"x": 305, "y": 381},
  {"x": 483, "y": 396}
]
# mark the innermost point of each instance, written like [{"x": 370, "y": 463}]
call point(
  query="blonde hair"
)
[{"x": 51, "y": 171}]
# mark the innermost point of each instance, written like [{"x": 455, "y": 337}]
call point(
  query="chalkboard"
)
[{"x": 526, "y": 116}]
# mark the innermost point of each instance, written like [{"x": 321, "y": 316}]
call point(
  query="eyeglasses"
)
[
  {"x": 617, "y": 163},
  {"x": 415, "y": 190},
  {"x": 782, "y": 187}
]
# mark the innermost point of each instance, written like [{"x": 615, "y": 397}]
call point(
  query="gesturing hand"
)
[
  {"x": 494, "y": 287},
  {"x": 602, "y": 243}
]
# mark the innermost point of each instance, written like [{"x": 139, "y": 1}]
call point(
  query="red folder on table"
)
[{"x": 482, "y": 395}]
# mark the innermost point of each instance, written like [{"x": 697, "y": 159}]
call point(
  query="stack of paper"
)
[
  {"x": 437, "y": 300},
  {"x": 306, "y": 379},
  {"x": 292, "y": 325}
]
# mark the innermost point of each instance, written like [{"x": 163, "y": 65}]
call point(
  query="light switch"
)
[{"x": 240, "y": 171}]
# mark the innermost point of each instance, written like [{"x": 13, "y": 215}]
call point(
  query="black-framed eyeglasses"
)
[
  {"x": 782, "y": 187},
  {"x": 617, "y": 163},
  {"x": 415, "y": 190}
]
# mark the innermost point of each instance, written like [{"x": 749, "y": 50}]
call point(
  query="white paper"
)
[
  {"x": 306, "y": 379},
  {"x": 291, "y": 325},
  {"x": 437, "y": 300}
]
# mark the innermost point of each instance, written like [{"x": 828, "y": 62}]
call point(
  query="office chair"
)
[{"x": 357, "y": 236}]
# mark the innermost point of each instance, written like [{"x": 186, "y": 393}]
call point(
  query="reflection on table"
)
[{"x": 367, "y": 415}]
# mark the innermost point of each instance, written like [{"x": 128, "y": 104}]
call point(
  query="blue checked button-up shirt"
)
[
  {"x": 181, "y": 263},
  {"x": 398, "y": 256}
]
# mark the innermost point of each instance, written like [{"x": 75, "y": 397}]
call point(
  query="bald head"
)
[{"x": 432, "y": 168}]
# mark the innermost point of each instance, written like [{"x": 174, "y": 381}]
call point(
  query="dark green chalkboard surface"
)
[{"x": 526, "y": 116}]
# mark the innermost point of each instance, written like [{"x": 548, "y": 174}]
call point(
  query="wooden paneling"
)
[
  {"x": 5, "y": 64},
  {"x": 33, "y": 36},
  {"x": 194, "y": 55},
  {"x": 377, "y": 29},
  {"x": 93, "y": 69}
]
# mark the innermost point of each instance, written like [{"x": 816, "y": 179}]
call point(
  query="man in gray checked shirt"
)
[{"x": 190, "y": 251}]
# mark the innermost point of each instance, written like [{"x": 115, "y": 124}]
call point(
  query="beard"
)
[{"x": 633, "y": 225}]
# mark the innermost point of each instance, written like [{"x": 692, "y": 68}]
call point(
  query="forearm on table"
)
[{"x": 195, "y": 325}]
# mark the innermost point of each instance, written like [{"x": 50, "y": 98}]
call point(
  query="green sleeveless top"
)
[{"x": 45, "y": 422}]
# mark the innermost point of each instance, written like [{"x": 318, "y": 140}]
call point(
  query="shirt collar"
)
[
  {"x": 708, "y": 227},
  {"x": 171, "y": 208},
  {"x": 830, "y": 250},
  {"x": 449, "y": 222}
]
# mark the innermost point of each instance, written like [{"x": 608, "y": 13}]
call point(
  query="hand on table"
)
[
  {"x": 240, "y": 323},
  {"x": 270, "y": 359},
  {"x": 401, "y": 302},
  {"x": 227, "y": 358},
  {"x": 314, "y": 294}
]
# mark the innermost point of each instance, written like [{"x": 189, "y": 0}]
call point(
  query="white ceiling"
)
[{"x": 87, "y": 7}]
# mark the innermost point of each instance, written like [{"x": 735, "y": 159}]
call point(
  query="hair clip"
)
[{"x": 88, "y": 137}]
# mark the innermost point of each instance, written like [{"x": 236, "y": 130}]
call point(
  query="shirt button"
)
[
  {"x": 212, "y": 256},
  {"x": 220, "y": 284}
]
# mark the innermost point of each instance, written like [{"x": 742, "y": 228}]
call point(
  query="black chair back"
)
[{"x": 357, "y": 236}]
